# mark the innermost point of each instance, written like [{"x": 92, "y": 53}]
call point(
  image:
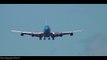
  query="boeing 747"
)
[{"x": 46, "y": 33}]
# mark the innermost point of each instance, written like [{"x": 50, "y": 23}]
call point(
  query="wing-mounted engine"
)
[
  {"x": 71, "y": 34},
  {"x": 60, "y": 34},
  {"x": 22, "y": 34}
]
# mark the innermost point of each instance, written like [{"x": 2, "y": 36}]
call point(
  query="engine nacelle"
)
[
  {"x": 60, "y": 35},
  {"x": 22, "y": 34},
  {"x": 33, "y": 35},
  {"x": 71, "y": 34}
]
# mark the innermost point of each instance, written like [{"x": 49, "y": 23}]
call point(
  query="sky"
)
[{"x": 92, "y": 18}]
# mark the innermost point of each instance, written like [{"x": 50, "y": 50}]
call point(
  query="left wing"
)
[
  {"x": 57, "y": 34},
  {"x": 37, "y": 34}
]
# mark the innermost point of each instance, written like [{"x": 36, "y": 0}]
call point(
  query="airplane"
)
[{"x": 47, "y": 33}]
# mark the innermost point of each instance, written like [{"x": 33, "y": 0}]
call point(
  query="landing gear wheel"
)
[
  {"x": 53, "y": 38},
  {"x": 49, "y": 38},
  {"x": 40, "y": 38},
  {"x": 44, "y": 38}
]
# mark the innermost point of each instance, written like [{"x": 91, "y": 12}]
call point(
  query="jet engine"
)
[
  {"x": 22, "y": 34},
  {"x": 71, "y": 34}
]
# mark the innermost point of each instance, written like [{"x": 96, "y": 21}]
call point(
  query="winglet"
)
[
  {"x": 78, "y": 30},
  {"x": 15, "y": 31}
]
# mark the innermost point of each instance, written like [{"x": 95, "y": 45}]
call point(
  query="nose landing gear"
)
[{"x": 49, "y": 38}]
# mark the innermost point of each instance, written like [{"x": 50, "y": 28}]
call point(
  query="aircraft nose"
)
[{"x": 46, "y": 28}]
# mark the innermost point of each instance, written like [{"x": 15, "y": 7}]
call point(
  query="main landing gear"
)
[
  {"x": 45, "y": 38},
  {"x": 53, "y": 38},
  {"x": 40, "y": 38},
  {"x": 49, "y": 38}
]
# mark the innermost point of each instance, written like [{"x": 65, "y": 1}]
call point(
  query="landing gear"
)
[
  {"x": 53, "y": 38},
  {"x": 49, "y": 38},
  {"x": 40, "y": 38},
  {"x": 44, "y": 38}
]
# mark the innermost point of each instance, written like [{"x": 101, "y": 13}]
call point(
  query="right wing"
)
[
  {"x": 57, "y": 34},
  {"x": 37, "y": 34}
]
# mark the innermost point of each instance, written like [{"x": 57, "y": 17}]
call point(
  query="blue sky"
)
[{"x": 92, "y": 18}]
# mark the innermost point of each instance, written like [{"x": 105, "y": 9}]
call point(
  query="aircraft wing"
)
[
  {"x": 37, "y": 34},
  {"x": 69, "y": 32},
  {"x": 56, "y": 34}
]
